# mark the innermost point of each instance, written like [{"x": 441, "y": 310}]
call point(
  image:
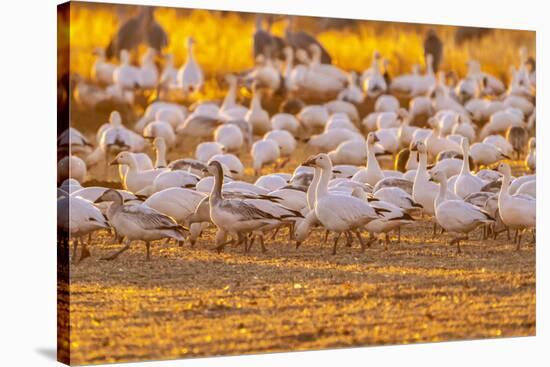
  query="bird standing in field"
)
[
  {"x": 433, "y": 46},
  {"x": 137, "y": 30}
]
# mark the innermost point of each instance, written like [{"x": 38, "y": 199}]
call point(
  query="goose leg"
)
[
  {"x": 116, "y": 254},
  {"x": 84, "y": 252},
  {"x": 75, "y": 247},
  {"x": 274, "y": 233},
  {"x": 349, "y": 239},
  {"x": 336, "y": 238},
  {"x": 371, "y": 240},
  {"x": 360, "y": 239},
  {"x": 399, "y": 234},
  {"x": 386, "y": 241},
  {"x": 519, "y": 234},
  {"x": 262, "y": 244},
  {"x": 326, "y": 235},
  {"x": 148, "y": 247},
  {"x": 435, "y": 230}
]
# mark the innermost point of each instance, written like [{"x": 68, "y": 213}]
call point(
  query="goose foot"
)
[
  {"x": 298, "y": 244},
  {"x": 327, "y": 232},
  {"x": 360, "y": 239},
  {"x": 221, "y": 246},
  {"x": 116, "y": 254},
  {"x": 84, "y": 253},
  {"x": 337, "y": 237},
  {"x": 148, "y": 247},
  {"x": 349, "y": 239}
]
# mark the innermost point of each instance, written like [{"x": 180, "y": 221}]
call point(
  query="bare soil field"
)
[{"x": 189, "y": 302}]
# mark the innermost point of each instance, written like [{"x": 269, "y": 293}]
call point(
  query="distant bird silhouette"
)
[
  {"x": 302, "y": 40},
  {"x": 463, "y": 34},
  {"x": 267, "y": 44},
  {"x": 139, "y": 29},
  {"x": 434, "y": 47}
]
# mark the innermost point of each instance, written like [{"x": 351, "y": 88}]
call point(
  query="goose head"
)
[
  {"x": 421, "y": 147},
  {"x": 320, "y": 160},
  {"x": 115, "y": 119},
  {"x": 214, "y": 168},
  {"x": 504, "y": 168},
  {"x": 438, "y": 176},
  {"x": 372, "y": 138},
  {"x": 123, "y": 158},
  {"x": 110, "y": 195}
]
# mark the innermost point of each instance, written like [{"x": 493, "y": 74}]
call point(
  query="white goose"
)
[
  {"x": 102, "y": 70},
  {"x": 285, "y": 121},
  {"x": 456, "y": 216},
  {"x": 138, "y": 222},
  {"x": 517, "y": 212},
  {"x": 531, "y": 159},
  {"x": 175, "y": 202},
  {"x": 84, "y": 218},
  {"x": 232, "y": 162},
  {"x": 161, "y": 129},
  {"x": 135, "y": 180},
  {"x": 338, "y": 213},
  {"x": 264, "y": 152},
  {"x": 257, "y": 117},
  {"x": 466, "y": 183},
  {"x": 230, "y": 136},
  {"x": 372, "y": 81},
  {"x": 126, "y": 76},
  {"x": 372, "y": 173},
  {"x": 285, "y": 140},
  {"x": 148, "y": 72},
  {"x": 190, "y": 77},
  {"x": 206, "y": 150}
]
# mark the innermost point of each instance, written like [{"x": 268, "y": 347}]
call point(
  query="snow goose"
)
[
  {"x": 340, "y": 120},
  {"x": 397, "y": 197},
  {"x": 175, "y": 202},
  {"x": 330, "y": 139},
  {"x": 528, "y": 188},
  {"x": 313, "y": 117},
  {"x": 336, "y": 212},
  {"x": 242, "y": 216},
  {"x": 501, "y": 143},
  {"x": 390, "y": 217},
  {"x": 230, "y": 136},
  {"x": 343, "y": 107},
  {"x": 372, "y": 173},
  {"x": 161, "y": 129},
  {"x": 257, "y": 117},
  {"x": 84, "y": 218},
  {"x": 206, "y": 150},
  {"x": 138, "y": 222},
  {"x": 170, "y": 179},
  {"x": 424, "y": 191},
  {"x": 436, "y": 143},
  {"x": 102, "y": 70},
  {"x": 386, "y": 103},
  {"x": 159, "y": 146},
  {"x": 73, "y": 141},
  {"x": 372, "y": 81},
  {"x": 456, "y": 216},
  {"x": 201, "y": 123},
  {"x": 517, "y": 212},
  {"x": 464, "y": 127},
  {"x": 232, "y": 162},
  {"x": 352, "y": 93},
  {"x": 126, "y": 76},
  {"x": 169, "y": 75},
  {"x": 350, "y": 152},
  {"x": 271, "y": 182},
  {"x": 466, "y": 183},
  {"x": 502, "y": 120},
  {"x": 190, "y": 77},
  {"x": 143, "y": 164},
  {"x": 148, "y": 72},
  {"x": 531, "y": 159},
  {"x": 421, "y": 84},
  {"x": 264, "y": 152},
  {"x": 517, "y": 182},
  {"x": 443, "y": 101},
  {"x": 71, "y": 167},
  {"x": 285, "y": 140},
  {"x": 285, "y": 121},
  {"x": 230, "y": 109},
  {"x": 162, "y": 111},
  {"x": 486, "y": 154},
  {"x": 135, "y": 180}
]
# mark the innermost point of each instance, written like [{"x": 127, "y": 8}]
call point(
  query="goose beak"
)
[
  {"x": 414, "y": 148},
  {"x": 114, "y": 162}
]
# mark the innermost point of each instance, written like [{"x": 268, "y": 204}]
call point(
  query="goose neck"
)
[
  {"x": 372, "y": 163},
  {"x": 442, "y": 194},
  {"x": 322, "y": 186},
  {"x": 465, "y": 162},
  {"x": 229, "y": 100},
  {"x": 216, "y": 193},
  {"x": 160, "y": 160},
  {"x": 311, "y": 190}
]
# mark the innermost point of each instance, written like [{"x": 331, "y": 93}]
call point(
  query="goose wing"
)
[{"x": 148, "y": 218}]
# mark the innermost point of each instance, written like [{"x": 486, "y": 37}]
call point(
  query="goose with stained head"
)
[{"x": 139, "y": 222}]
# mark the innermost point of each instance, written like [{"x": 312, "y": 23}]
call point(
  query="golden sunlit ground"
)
[{"x": 195, "y": 302}]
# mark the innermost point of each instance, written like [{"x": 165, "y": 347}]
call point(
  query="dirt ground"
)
[{"x": 190, "y": 302}]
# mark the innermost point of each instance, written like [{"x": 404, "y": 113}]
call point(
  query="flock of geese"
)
[{"x": 447, "y": 155}]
